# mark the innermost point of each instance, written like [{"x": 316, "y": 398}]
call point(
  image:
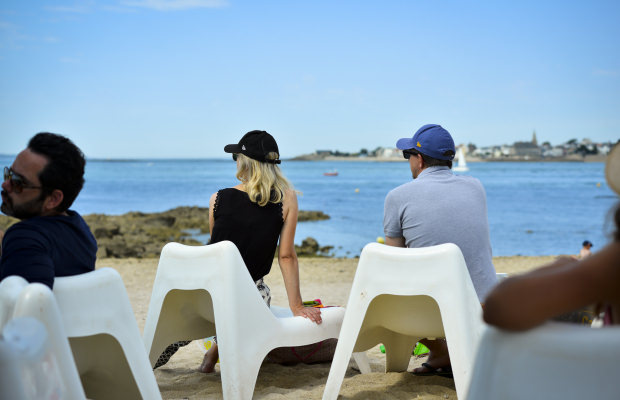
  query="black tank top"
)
[{"x": 255, "y": 230}]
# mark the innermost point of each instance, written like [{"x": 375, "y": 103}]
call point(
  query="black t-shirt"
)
[
  {"x": 41, "y": 248},
  {"x": 255, "y": 230}
]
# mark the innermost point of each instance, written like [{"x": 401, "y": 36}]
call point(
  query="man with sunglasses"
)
[
  {"x": 440, "y": 207},
  {"x": 50, "y": 240}
]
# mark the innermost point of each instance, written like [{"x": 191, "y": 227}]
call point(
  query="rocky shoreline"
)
[{"x": 142, "y": 235}]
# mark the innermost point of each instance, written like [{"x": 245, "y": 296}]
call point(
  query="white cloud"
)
[
  {"x": 606, "y": 72},
  {"x": 173, "y": 5}
]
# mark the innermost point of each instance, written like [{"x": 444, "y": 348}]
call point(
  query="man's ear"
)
[{"x": 52, "y": 201}]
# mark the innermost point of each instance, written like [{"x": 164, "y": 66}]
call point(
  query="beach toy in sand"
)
[
  {"x": 420, "y": 349},
  {"x": 206, "y": 343},
  {"x": 313, "y": 303},
  {"x": 380, "y": 240}
]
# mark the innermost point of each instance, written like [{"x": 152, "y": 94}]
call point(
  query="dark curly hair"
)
[{"x": 65, "y": 168}]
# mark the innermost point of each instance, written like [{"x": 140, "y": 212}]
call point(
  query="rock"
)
[
  {"x": 310, "y": 248},
  {"x": 6, "y": 222},
  {"x": 106, "y": 231},
  {"x": 311, "y": 216},
  {"x": 140, "y": 235}
]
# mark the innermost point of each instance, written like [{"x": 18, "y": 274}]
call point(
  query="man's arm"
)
[
  {"x": 391, "y": 222},
  {"x": 25, "y": 254},
  {"x": 396, "y": 242}
]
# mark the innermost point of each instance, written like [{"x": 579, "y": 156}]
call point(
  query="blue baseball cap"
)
[{"x": 431, "y": 140}]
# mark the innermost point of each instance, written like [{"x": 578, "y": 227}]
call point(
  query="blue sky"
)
[{"x": 157, "y": 78}]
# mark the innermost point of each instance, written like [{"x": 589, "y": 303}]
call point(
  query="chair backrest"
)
[
  {"x": 104, "y": 336},
  {"x": 21, "y": 303},
  {"x": 10, "y": 289},
  {"x": 28, "y": 367},
  {"x": 556, "y": 360},
  {"x": 438, "y": 272},
  {"x": 217, "y": 267},
  {"x": 213, "y": 277}
]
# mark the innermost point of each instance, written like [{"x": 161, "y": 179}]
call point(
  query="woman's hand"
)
[{"x": 312, "y": 313}]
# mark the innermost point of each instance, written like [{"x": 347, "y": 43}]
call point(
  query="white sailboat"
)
[{"x": 462, "y": 164}]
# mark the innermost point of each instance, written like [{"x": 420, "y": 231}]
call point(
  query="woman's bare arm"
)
[
  {"x": 524, "y": 301},
  {"x": 287, "y": 258}
]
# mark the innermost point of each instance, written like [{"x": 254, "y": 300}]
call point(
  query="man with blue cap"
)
[{"x": 440, "y": 207}]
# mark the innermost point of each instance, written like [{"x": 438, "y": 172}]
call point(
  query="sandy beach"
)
[{"x": 326, "y": 278}]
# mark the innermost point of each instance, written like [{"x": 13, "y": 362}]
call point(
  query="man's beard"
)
[{"x": 26, "y": 210}]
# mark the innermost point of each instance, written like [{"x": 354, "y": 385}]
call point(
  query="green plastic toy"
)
[{"x": 419, "y": 349}]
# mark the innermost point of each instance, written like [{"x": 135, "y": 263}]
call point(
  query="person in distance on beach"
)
[
  {"x": 439, "y": 207},
  {"x": 585, "y": 249},
  {"x": 50, "y": 240},
  {"x": 254, "y": 215},
  {"x": 525, "y": 301}
]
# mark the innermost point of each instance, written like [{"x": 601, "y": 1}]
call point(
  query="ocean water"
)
[{"x": 533, "y": 208}]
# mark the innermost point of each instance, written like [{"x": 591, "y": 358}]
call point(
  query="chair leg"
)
[
  {"x": 362, "y": 362},
  {"x": 344, "y": 348},
  {"x": 238, "y": 373},
  {"x": 398, "y": 351}
]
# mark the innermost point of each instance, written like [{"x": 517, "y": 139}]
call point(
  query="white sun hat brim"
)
[{"x": 612, "y": 169}]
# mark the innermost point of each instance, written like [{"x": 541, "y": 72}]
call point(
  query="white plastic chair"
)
[
  {"x": 199, "y": 290},
  {"x": 104, "y": 336},
  {"x": 10, "y": 288},
  {"x": 19, "y": 302},
  {"x": 400, "y": 296},
  {"x": 28, "y": 367},
  {"x": 553, "y": 361}
]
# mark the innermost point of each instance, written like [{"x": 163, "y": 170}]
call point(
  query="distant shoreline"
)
[{"x": 312, "y": 157}]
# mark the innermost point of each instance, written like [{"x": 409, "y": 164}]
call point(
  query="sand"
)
[{"x": 325, "y": 278}]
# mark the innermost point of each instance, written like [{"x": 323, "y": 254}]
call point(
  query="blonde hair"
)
[{"x": 264, "y": 182}]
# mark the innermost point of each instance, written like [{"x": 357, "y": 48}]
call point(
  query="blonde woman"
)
[{"x": 254, "y": 215}]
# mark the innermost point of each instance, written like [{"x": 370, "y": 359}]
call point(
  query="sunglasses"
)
[
  {"x": 409, "y": 153},
  {"x": 18, "y": 183}
]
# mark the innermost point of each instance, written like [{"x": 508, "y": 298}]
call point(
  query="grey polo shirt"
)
[{"x": 439, "y": 207}]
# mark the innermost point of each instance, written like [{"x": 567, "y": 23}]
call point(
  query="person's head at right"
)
[
  {"x": 257, "y": 156},
  {"x": 44, "y": 179},
  {"x": 430, "y": 146}
]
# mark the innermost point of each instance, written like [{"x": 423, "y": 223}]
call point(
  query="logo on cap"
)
[
  {"x": 418, "y": 144},
  {"x": 242, "y": 147}
]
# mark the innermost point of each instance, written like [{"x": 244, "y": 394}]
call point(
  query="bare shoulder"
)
[
  {"x": 290, "y": 195},
  {"x": 289, "y": 204},
  {"x": 212, "y": 199}
]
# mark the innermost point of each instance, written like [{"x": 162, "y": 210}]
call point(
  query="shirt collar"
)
[{"x": 432, "y": 170}]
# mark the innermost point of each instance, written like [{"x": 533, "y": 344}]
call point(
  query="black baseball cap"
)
[
  {"x": 256, "y": 145},
  {"x": 587, "y": 242}
]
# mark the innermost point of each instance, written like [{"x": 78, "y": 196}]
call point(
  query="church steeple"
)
[{"x": 534, "y": 141}]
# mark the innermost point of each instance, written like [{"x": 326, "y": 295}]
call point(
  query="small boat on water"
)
[
  {"x": 461, "y": 166},
  {"x": 331, "y": 173}
]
